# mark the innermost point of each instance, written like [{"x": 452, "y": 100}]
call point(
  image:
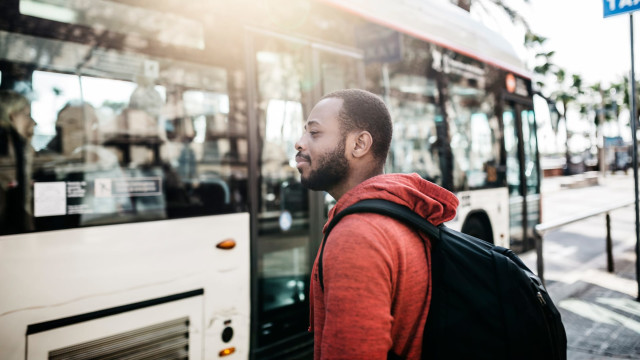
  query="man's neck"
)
[{"x": 354, "y": 179}]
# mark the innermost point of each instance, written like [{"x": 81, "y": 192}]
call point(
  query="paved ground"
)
[{"x": 600, "y": 310}]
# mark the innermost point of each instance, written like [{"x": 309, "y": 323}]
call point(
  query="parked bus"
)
[{"x": 162, "y": 213}]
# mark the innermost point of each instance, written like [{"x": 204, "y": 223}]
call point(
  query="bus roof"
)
[{"x": 441, "y": 23}]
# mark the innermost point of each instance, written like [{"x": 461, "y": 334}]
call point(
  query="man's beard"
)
[{"x": 332, "y": 169}]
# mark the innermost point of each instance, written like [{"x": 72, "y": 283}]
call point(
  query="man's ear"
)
[{"x": 362, "y": 142}]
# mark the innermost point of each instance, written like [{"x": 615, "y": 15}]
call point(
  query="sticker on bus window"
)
[
  {"x": 142, "y": 186},
  {"x": 49, "y": 198}
]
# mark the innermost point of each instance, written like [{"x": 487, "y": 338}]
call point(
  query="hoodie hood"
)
[{"x": 427, "y": 199}]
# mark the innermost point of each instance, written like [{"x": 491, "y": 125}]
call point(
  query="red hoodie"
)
[{"x": 377, "y": 281}]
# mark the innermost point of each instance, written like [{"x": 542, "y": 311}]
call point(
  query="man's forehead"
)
[{"x": 326, "y": 110}]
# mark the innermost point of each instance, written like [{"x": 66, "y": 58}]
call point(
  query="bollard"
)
[{"x": 609, "y": 245}]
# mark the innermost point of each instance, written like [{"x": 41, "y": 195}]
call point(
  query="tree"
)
[
  {"x": 568, "y": 90},
  {"x": 500, "y": 4},
  {"x": 620, "y": 92},
  {"x": 555, "y": 85},
  {"x": 464, "y": 4}
]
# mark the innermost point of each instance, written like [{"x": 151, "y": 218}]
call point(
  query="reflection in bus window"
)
[
  {"x": 283, "y": 256},
  {"x": 511, "y": 148},
  {"x": 16, "y": 163},
  {"x": 473, "y": 131},
  {"x": 530, "y": 151},
  {"x": 281, "y": 125},
  {"x": 413, "y": 147},
  {"x": 146, "y": 23},
  {"x": 412, "y": 101},
  {"x": 338, "y": 72},
  {"x": 113, "y": 150}
]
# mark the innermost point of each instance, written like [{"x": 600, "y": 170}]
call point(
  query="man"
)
[{"x": 377, "y": 280}]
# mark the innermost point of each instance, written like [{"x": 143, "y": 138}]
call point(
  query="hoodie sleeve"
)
[{"x": 358, "y": 265}]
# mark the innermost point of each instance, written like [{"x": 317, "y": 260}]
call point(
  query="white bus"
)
[{"x": 156, "y": 212}]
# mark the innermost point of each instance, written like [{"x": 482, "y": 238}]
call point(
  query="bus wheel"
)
[{"x": 474, "y": 226}]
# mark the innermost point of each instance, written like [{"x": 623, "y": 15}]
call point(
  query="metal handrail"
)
[{"x": 541, "y": 229}]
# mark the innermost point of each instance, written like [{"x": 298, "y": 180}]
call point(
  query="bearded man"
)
[{"x": 376, "y": 270}]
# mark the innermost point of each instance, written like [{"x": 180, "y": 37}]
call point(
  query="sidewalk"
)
[{"x": 599, "y": 309}]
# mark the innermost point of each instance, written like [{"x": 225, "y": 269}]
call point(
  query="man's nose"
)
[{"x": 298, "y": 145}]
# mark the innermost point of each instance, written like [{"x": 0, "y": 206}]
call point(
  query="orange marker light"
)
[
  {"x": 227, "y": 244},
  {"x": 227, "y": 351}
]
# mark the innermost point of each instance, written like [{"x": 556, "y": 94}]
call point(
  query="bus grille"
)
[{"x": 168, "y": 340}]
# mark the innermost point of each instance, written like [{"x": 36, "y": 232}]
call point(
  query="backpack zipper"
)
[
  {"x": 548, "y": 318},
  {"x": 541, "y": 299},
  {"x": 551, "y": 326}
]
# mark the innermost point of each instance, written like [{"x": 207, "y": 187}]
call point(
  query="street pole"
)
[{"x": 634, "y": 119}]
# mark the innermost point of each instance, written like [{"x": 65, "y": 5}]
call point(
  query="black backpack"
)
[{"x": 486, "y": 303}]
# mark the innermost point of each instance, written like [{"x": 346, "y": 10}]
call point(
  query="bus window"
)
[
  {"x": 530, "y": 151},
  {"x": 522, "y": 173},
  {"x": 164, "y": 145},
  {"x": 414, "y": 103},
  {"x": 511, "y": 148},
  {"x": 338, "y": 71},
  {"x": 473, "y": 130},
  {"x": 141, "y": 22},
  {"x": 414, "y": 144}
]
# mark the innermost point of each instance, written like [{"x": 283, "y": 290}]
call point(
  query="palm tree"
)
[
  {"x": 568, "y": 91},
  {"x": 622, "y": 92},
  {"x": 464, "y": 4},
  {"x": 544, "y": 65}
]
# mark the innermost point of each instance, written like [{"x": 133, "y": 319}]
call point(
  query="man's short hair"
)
[{"x": 363, "y": 110}]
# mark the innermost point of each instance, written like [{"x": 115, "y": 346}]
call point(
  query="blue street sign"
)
[{"x": 617, "y": 7}]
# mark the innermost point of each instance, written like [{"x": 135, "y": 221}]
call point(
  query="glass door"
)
[
  {"x": 283, "y": 260},
  {"x": 523, "y": 176},
  {"x": 338, "y": 70},
  {"x": 290, "y": 75},
  {"x": 335, "y": 70},
  {"x": 531, "y": 166}
]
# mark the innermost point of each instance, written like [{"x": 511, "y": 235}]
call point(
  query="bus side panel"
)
[
  {"x": 494, "y": 202},
  {"x": 59, "y": 274}
]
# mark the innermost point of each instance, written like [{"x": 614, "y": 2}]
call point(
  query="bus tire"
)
[{"x": 477, "y": 227}]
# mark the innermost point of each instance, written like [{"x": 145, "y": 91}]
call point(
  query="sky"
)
[
  {"x": 587, "y": 44},
  {"x": 584, "y": 42}
]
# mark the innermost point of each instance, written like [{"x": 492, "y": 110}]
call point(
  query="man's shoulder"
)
[{"x": 370, "y": 226}]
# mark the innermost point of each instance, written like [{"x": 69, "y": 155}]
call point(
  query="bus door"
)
[
  {"x": 289, "y": 76},
  {"x": 334, "y": 69},
  {"x": 523, "y": 176}
]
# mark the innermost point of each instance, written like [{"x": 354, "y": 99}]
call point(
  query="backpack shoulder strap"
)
[{"x": 382, "y": 207}]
